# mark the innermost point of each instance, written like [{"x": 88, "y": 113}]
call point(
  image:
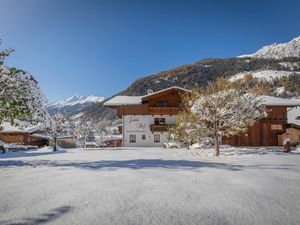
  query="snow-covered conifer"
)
[{"x": 20, "y": 95}]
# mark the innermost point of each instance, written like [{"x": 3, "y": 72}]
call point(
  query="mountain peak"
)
[
  {"x": 77, "y": 100},
  {"x": 278, "y": 51}
]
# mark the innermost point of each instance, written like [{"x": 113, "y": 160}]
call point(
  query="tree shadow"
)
[
  {"x": 42, "y": 218},
  {"x": 137, "y": 164},
  {"x": 28, "y": 154}
]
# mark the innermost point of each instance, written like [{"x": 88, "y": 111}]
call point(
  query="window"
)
[
  {"x": 132, "y": 138},
  {"x": 162, "y": 103},
  {"x": 143, "y": 137},
  {"x": 156, "y": 138},
  {"x": 159, "y": 121},
  {"x": 180, "y": 103}
]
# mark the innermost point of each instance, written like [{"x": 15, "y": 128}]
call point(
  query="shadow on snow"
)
[
  {"x": 42, "y": 218},
  {"x": 28, "y": 154},
  {"x": 138, "y": 164}
]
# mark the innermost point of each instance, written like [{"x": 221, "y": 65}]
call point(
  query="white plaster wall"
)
[
  {"x": 292, "y": 114},
  {"x": 139, "y": 125}
]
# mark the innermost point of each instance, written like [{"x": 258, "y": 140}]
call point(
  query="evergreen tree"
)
[{"x": 20, "y": 95}]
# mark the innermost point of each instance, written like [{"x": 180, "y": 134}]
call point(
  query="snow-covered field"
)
[{"x": 149, "y": 186}]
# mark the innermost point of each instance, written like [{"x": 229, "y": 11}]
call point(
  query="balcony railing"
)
[
  {"x": 160, "y": 127},
  {"x": 164, "y": 110}
]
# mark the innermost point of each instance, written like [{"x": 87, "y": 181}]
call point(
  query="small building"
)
[
  {"x": 22, "y": 136},
  {"x": 147, "y": 119},
  {"x": 33, "y": 136},
  {"x": 267, "y": 131}
]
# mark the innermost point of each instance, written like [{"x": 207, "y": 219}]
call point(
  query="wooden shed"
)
[{"x": 266, "y": 132}]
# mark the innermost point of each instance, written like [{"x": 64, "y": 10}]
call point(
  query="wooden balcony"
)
[
  {"x": 164, "y": 110},
  {"x": 160, "y": 128}
]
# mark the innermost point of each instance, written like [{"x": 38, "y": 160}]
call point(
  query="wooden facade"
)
[
  {"x": 26, "y": 138},
  {"x": 265, "y": 132},
  {"x": 150, "y": 104}
]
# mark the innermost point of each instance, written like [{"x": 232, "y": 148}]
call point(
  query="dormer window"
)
[{"x": 162, "y": 104}]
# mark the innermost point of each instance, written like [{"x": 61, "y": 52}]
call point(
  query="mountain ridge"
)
[
  {"x": 74, "y": 104},
  {"x": 277, "y": 51},
  {"x": 77, "y": 99}
]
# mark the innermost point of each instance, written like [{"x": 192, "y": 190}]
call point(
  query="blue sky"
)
[{"x": 101, "y": 47}]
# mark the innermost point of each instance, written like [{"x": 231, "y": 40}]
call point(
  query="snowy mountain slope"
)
[
  {"x": 263, "y": 74},
  {"x": 277, "y": 51},
  {"x": 77, "y": 99},
  {"x": 74, "y": 105}
]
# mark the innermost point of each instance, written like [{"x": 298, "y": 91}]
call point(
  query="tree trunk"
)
[
  {"x": 55, "y": 145},
  {"x": 188, "y": 145},
  {"x": 217, "y": 144}
]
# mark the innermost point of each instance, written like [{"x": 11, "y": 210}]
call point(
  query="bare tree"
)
[
  {"x": 226, "y": 109},
  {"x": 56, "y": 126}
]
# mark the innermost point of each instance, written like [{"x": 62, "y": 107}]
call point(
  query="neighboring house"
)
[
  {"x": 21, "y": 136},
  {"x": 146, "y": 119},
  {"x": 267, "y": 131},
  {"x": 34, "y": 136},
  {"x": 292, "y": 134}
]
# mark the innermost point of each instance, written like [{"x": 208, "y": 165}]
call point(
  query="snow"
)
[
  {"x": 290, "y": 65},
  {"x": 263, "y": 74},
  {"x": 77, "y": 99},
  {"x": 275, "y": 101},
  {"x": 294, "y": 115},
  {"x": 124, "y": 100},
  {"x": 166, "y": 89},
  {"x": 8, "y": 128},
  {"x": 135, "y": 100},
  {"x": 289, "y": 49},
  {"x": 199, "y": 150},
  {"x": 148, "y": 186},
  {"x": 279, "y": 90}
]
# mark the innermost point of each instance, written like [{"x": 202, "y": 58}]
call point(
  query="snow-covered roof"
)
[
  {"x": 8, "y": 128},
  {"x": 136, "y": 100},
  {"x": 124, "y": 100},
  {"x": 166, "y": 89},
  {"x": 48, "y": 136},
  {"x": 275, "y": 101}
]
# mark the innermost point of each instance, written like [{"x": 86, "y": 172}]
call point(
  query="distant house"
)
[
  {"x": 146, "y": 119},
  {"x": 21, "y": 136},
  {"x": 34, "y": 136}
]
